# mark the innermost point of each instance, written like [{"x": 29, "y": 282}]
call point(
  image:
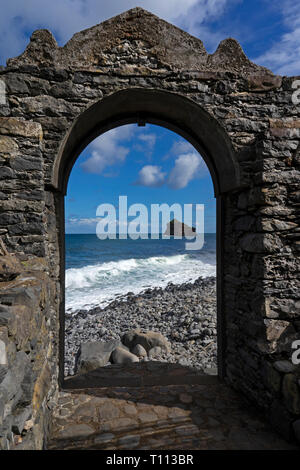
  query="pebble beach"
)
[{"x": 184, "y": 314}]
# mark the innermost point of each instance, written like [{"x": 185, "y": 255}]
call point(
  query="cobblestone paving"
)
[{"x": 185, "y": 417}]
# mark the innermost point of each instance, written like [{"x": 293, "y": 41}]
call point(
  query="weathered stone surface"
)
[
  {"x": 260, "y": 243},
  {"x": 16, "y": 85},
  {"x": 291, "y": 393},
  {"x": 8, "y": 145},
  {"x": 264, "y": 82},
  {"x": 93, "y": 355},
  {"x": 139, "y": 351},
  {"x": 272, "y": 378},
  {"x": 10, "y": 267},
  {"x": 275, "y": 328},
  {"x": 20, "y": 416},
  {"x": 17, "y": 127},
  {"x": 47, "y": 105},
  {"x": 75, "y": 431},
  {"x": 155, "y": 351},
  {"x": 191, "y": 420},
  {"x": 3, "y": 355},
  {"x": 137, "y": 24},
  {"x": 122, "y": 356},
  {"x": 285, "y": 367},
  {"x": 147, "y": 340}
]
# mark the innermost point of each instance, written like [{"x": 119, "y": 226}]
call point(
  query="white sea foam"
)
[
  {"x": 97, "y": 285},
  {"x": 88, "y": 276}
]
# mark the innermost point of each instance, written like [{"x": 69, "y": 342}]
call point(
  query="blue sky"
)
[
  {"x": 151, "y": 164},
  {"x": 268, "y": 30}
]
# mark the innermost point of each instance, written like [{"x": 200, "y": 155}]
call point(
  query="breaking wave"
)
[{"x": 99, "y": 284}]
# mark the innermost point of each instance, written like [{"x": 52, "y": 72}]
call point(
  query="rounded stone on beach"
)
[
  {"x": 139, "y": 351},
  {"x": 154, "y": 352},
  {"x": 122, "y": 356}
]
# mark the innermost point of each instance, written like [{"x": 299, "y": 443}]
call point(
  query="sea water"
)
[{"x": 99, "y": 271}]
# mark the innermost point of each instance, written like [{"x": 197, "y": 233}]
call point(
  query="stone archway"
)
[
  {"x": 138, "y": 68},
  {"x": 169, "y": 110},
  {"x": 141, "y": 106}
]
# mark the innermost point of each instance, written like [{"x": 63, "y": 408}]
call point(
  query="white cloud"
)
[
  {"x": 187, "y": 167},
  {"x": 182, "y": 146},
  {"x": 151, "y": 175},
  {"x": 188, "y": 164},
  {"x": 148, "y": 139},
  {"x": 284, "y": 57},
  {"x": 146, "y": 143},
  {"x": 179, "y": 147},
  {"x": 199, "y": 14},
  {"x": 108, "y": 150},
  {"x": 66, "y": 17},
  {"x": 82, "y": 221}
]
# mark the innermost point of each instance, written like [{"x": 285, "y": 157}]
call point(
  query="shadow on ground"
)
[
  {"x": 139, "y": 374},
  {"x": 182, "y": 415}
]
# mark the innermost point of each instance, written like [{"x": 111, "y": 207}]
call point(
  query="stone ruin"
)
[{"x": 136, "y": 68}]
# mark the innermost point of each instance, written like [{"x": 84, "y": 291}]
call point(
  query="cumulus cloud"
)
[
  {"x": 151, "y": 175},
  {"x": 146, "y": 143},
  {"x": 188, "y": 164},
  {"x": 284, "y": 56},
  {"x": 187, "y": 167},
  {"x": 108, "y": 150},
  {"x": 182, "y": 146},
  {"x": 66, "y": 17},
  {"x": 197, "y": 18},
  {"x": 179, "y": 147},
  {"x": 148, "y": 139}
]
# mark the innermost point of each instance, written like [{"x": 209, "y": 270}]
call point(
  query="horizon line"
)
[{"x": 149, "y": 233}]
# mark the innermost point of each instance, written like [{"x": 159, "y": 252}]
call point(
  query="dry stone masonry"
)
[{"x": 240, "y": 116}]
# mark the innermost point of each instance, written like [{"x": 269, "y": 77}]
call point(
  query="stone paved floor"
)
[{"x": 184, "y": 417}]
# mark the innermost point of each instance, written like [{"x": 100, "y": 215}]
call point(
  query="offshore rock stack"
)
[{"x": 184, "y": 315}]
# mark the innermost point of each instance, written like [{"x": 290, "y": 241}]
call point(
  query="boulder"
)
[
  {"x": 122, "y": 356},
  {"x": 139, "y": 351},
  {"x": 154, "y": 352},
  {"x": 93, "y": 355},
  {"x": 148, "y": 340}
]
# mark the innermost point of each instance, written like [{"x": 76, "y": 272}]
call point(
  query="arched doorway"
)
[
  {"x": 176, "y": 113},
  {"x": 147, "y": 69}
]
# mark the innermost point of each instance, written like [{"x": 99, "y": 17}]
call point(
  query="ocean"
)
[{"x": 98, "y": 271}]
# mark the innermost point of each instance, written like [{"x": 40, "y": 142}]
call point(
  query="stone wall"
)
[
  {"x": 28, "y": 352},
  {"x": 49, "y": 90}
]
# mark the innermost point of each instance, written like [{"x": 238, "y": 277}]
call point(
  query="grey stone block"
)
[
  {"x": 20, "y": 416},
  {"x": 122, "y": 356},
  {"x": 92, "y": 355}
]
